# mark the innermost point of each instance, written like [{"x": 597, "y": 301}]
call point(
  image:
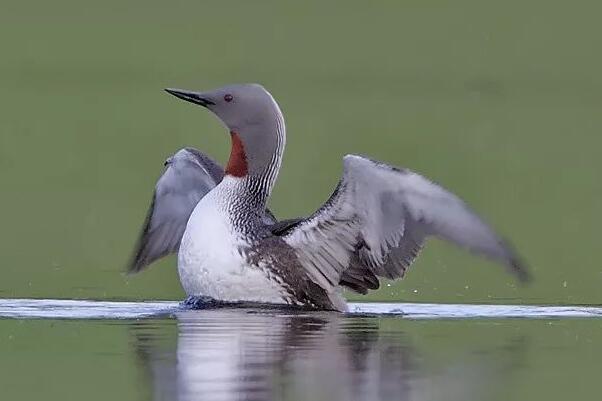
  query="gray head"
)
[{"x": 255, "y": 122}]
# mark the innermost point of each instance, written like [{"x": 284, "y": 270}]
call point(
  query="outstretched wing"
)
[
  {"x": 188, "y": 176},
  {"x": 376, "y": 222}
]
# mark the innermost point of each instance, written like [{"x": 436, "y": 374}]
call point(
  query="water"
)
[
  {"x": 77, "y": 309},
  {"x": 161, "y": 351}
]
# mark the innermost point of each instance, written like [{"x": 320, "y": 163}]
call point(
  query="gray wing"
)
[
  {"x": 376, "y": 222},
  {"x": 188, "y": 176}
]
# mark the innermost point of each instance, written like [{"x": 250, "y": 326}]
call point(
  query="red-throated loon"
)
[{"x": 230, "y": 248}]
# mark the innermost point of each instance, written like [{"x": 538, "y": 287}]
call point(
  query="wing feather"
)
[
  {"x": 376, "y": 222},
  {"x": 188, "y": 176}
]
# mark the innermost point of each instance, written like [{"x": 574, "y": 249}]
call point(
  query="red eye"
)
[{"x": 228, "y": 98}]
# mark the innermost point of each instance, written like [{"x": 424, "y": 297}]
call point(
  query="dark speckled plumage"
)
[{"x": 283, "y": 266}]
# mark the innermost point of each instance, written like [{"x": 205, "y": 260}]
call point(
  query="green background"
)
[{"x": 499, "y": 101}]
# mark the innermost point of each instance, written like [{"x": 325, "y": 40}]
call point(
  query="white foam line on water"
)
[
  {"x": 467, "y": 311},
  {"x": 76, "y": 309}
]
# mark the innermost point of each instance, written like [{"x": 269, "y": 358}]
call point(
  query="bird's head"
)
[
  {"x": 254, "y": 120},
  {"x": 239, "y": 106}
]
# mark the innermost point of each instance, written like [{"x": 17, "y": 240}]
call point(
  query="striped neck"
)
[{"x": 255, "y": 159}]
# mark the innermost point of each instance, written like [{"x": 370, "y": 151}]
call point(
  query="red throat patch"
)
[{"x": 237, "y": 164}]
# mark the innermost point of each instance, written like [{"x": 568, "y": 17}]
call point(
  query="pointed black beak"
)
[{"x": 189, "y": 96}]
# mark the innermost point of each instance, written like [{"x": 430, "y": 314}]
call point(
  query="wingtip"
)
[
  {"x": 521, "y": 271},
  {"x": 515, "y": 264},
  {"x": 138, "y": 260},
  {"x": 131, "y": 269},
  {"x": 352, "y": 158}
]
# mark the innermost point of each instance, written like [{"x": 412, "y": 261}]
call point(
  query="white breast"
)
[{"x": 210, "y": 262}]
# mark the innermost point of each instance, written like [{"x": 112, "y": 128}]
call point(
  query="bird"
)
[{"x": 231, "y": 248}]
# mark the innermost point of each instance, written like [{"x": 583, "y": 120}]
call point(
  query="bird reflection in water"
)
[{"x": 227, "y": 354}]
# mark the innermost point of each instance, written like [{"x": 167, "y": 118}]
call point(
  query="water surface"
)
[{"x": 160, "y": 351}]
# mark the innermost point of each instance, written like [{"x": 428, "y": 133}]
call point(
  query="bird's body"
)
[
  {"x": 233, "y": 249},
  {"x": 232, "y": 255},
  {"x": 213, "y": 258}
]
